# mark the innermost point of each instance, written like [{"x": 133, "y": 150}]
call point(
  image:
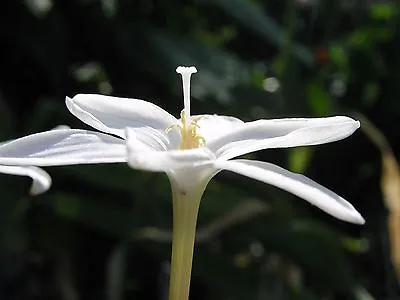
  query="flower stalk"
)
[{"x": 185, "y": 211}]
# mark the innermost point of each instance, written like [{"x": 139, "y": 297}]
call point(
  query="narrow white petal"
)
[
  {"x": 58, "y": 127},
  {"x": 282, "y": 133},
  {"x": 41, "y": 180},
  {"x": 212, "y": 127},
  {"x": 147, "y": 139},
  {"x": 146, "y": 158},
  {"x": 63, "y": 147},
  {"x": 296, "y": 184},
  {"x": 164, "y": 161},
  {"x": 114, "y": 114}
]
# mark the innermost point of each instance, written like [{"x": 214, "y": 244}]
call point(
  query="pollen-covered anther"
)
[{"x": 190, "y": 138}]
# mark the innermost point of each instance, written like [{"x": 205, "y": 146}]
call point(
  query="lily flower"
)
[
  {"x": 190, "y": 150},
  {"x": 41, "y": 180},
  {"x": 203, "y": 145}
]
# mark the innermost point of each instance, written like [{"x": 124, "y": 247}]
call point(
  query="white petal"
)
[
  {"x": 164, "y": 161},
  {"x": 41, "y": 180},
  {"x": 114, "y": 114},
  {"x": 296, "y": 184},
  {"x": 282, "y": 133},
  {"x": 58, "y": 127},
  {"x": 63, "y": 147},
  {"x": 212, "y": 127},
  {"x": 147, "y": 139},
  {"x": 145, "y": 158}
]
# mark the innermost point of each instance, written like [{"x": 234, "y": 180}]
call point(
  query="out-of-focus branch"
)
[
  {"x": 239, "y": 214},
  {"x": 390, "y": 185},
  {"x": 373, "y": 133}
]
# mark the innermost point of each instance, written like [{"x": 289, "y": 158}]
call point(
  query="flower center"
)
[
  {"x": 189, "y": 137},
  {"x": 188, "y": 126}
]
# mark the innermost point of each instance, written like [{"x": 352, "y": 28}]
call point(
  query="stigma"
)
[{"x": 186, "y": 73}]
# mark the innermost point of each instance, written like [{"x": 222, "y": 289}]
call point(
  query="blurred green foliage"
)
[{"x": 103, "y": 232}]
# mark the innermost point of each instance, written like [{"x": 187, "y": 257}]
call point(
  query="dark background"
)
[{"x": 102, "y": 232}]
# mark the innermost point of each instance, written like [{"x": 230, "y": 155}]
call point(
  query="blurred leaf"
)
[
  {"x": 299, "y": 159},
  {"x": 355, "y": 245},
  {"x": 318, "y": 99},
  {"x": 250, "y": 15},
  {"x": 215, "y": 39},
  {"x": 292, "y": 240},
  {"x": 362, "y": 294},
  {"x": 104, "y": 217},
  {"x": 366, "y": 37},
  {"x": 383, "y": 11},
  {"x": 40, "y": 8},
  {"x": 339, "y": 56},
  {"x": 371, "y": 93},
  {"x": 109, "y": 7}
]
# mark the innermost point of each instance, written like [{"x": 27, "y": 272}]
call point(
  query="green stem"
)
[{"x": 185, "y": 211}]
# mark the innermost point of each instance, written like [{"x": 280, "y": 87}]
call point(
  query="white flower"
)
[{"x": 191, "y": 150}]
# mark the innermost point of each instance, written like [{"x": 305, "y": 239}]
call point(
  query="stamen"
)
[{"x": 186, "y": 73}]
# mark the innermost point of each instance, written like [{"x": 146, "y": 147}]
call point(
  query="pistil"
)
[
  {"x": 188, "y": 126},
  {"x": 186, "y": 73}
]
